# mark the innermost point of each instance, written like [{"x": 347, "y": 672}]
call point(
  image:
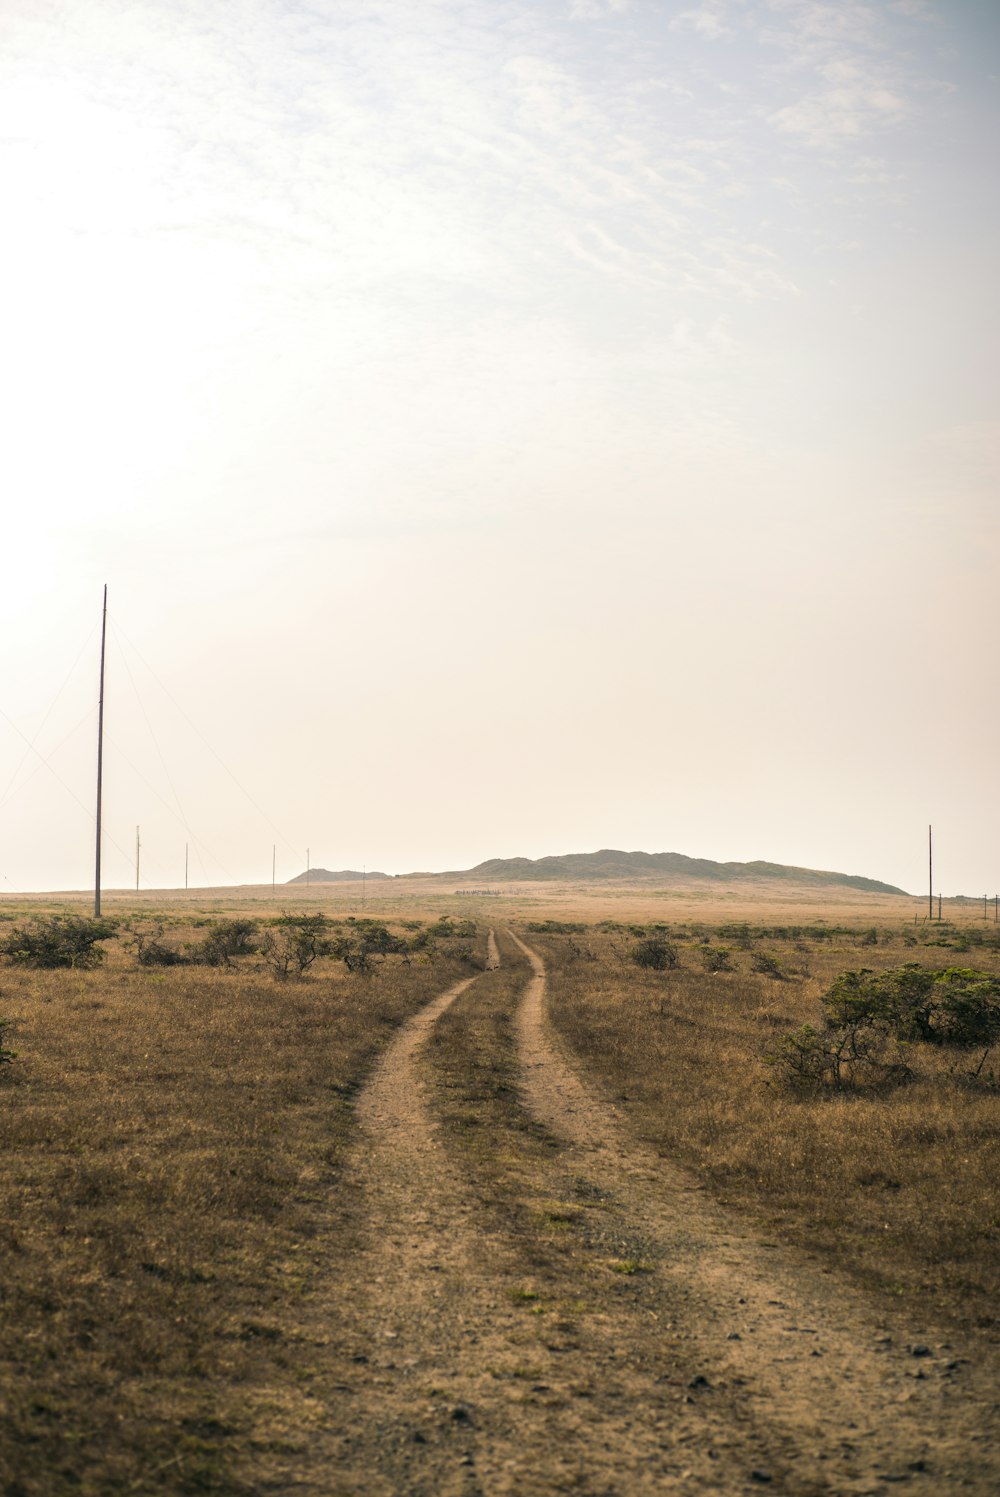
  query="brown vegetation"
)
[
  {"x": 170, "y": 1147},
  {"x": 898, "y": 1186}
]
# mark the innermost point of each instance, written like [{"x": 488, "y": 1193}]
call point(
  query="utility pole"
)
[
  {"x": 930, "y": 873},
  {"x": 100, "y": 758},
  {"x": 137, "y": 860}
]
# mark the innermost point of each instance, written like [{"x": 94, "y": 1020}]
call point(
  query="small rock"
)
[{"x": 918, "y": 1349}]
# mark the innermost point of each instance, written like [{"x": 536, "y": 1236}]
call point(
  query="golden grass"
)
[
  {"x": 170, "y": 1150},
  {"x": 901, "y": 1189},
  {"x": 171, "y": 1142}
]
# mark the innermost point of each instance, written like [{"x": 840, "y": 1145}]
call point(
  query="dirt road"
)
[{"x": 663, "y": 1348}]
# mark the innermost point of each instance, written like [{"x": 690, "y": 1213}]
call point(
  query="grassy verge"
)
[
  {"x": 171, "y": 1141},
  {"x": 900, "y": 1188}
]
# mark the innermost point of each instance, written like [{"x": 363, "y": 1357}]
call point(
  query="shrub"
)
[
  {"x": 868, "y": 1015},
  {"x": 228, "y": 939},
  {"x": 956, "y": 1006},
  {"x": 294, "y": 942},
  {"x": 59, "y": 941},
  {"x": 446, "y": 927},
  {"x": 367, "y": 939},
  {"x": 555, "y": 927},
  {"x": 850, "y": 1056},
  {"x": 656, "y": 953},
  {"x": 716, "y": 958},
  {"x": 150, "y": 951},
  {"x": 766, "y": 964}
]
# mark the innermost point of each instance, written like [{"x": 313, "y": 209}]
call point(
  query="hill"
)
[
  {"x": 610, "y": 863},
  {"x": 343, "y": 876}
]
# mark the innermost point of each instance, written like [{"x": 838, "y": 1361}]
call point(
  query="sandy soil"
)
[{"x": 714, "y": 1363}]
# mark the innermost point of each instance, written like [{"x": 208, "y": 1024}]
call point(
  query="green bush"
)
[
  {"x": 956, "y": 1006},
  {"x": 716, "y": 958},
  {"x": 365, "y": 940},
  {"x": 58, "y": 941},
  {"x": 446, "y": 928},
  {"x": 868, "y": 1015},
  {"x": 228, "y": 939},
  {"x": 150, "y": 951},
  {"x": 655, "y": 953}
]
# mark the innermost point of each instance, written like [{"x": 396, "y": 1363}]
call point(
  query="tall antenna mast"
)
[{"x": 100, "y": 758}]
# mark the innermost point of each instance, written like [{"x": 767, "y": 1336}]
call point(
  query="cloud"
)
[
  {"x": 850, "y": 77},
  {"x": 597, "y": 10},
  {"x": 706, "y": 21}
]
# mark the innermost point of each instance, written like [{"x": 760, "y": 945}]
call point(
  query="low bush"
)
[
  {"x": 366, "y": 941},
  {"x": 655, "y": 953},
  {"x": 150, "y": 950},
  {"x": 852, "y": 1057},
  {"x": 59, "y": 941},
  {"x": 228, "y": 939},
  {"x": 956, "y": 1006},
  {"x": 555, "y": 927},
  {"x": 294, "y": 942},
  {"x": 868, "y": 1016},
  {"x": 716, "y": 958}
]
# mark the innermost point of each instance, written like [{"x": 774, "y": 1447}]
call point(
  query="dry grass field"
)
[
  {"x": 171, "y": 1140},
  {"x": 901, "y": 1187},
  {"x": 173, "y": 1201}
]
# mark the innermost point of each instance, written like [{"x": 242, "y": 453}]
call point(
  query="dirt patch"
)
[{"x": 480, "y": 1364}]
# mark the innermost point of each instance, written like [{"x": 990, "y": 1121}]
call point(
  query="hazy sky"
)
[{"x": 504, "y": 428}]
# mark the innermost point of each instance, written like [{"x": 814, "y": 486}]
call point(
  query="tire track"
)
[
  {"x": 854, "y": 1410},
  {"x": 457, "y": 1386}
]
